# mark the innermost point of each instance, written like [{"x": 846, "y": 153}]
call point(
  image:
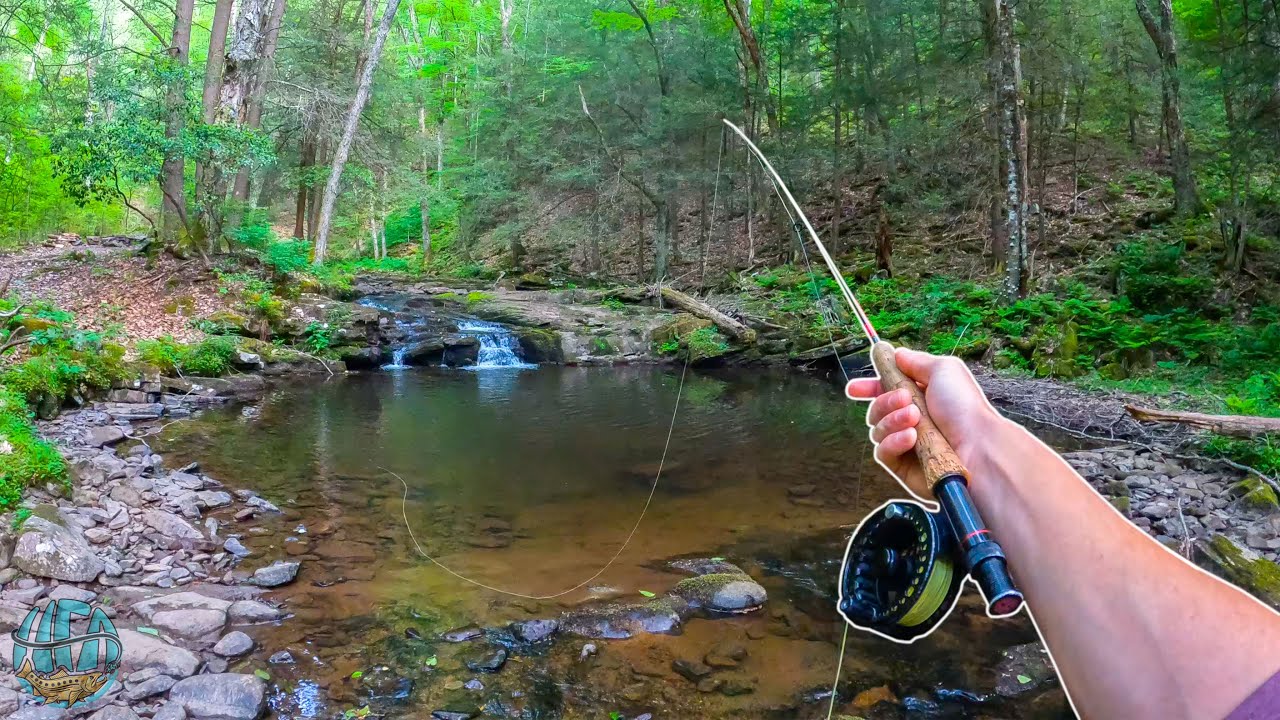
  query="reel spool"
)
[{"x": 901, "y": 574}]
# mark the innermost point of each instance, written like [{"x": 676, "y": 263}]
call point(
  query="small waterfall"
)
[
  {"x": 397, "y": 359},
  {"x": 498, "y": 347}
]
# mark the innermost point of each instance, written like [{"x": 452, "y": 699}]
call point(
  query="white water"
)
[
  {"x": 498, "y": 347},
  {"x": 397, "y": 359}
]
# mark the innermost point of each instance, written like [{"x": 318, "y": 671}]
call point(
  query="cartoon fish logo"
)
[
  {"x": 62, "y": 686},
  {"x": 66, "y": 653}
]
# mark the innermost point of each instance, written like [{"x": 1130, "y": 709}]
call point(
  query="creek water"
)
[{"x": 531, "y": 481}]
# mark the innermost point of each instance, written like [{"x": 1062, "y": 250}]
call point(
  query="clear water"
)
[
  {"x": 499, "y": 348},
  {"x": 397, "y": 360},
  {"x": 566, "y": 457}
]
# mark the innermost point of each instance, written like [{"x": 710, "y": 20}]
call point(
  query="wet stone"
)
[
  {"x": 532, "y": 631},
  {"x": 489, "y": 660},
  {"x": 463, "y": 634},
  {"x": 284, "y": 657},
  {"x": 691, "y": 670}
]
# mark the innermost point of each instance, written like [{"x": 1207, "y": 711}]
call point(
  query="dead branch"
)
[
  {"x": 737, "y": 330},
  {"x": 1245, "y": 426}
]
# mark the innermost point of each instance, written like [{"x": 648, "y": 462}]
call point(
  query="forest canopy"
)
[{"x": 587, "y": 137}]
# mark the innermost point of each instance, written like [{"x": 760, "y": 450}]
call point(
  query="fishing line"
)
[
  {"x": 831, "y": 709},
  {"x": 404, "y": 513}
]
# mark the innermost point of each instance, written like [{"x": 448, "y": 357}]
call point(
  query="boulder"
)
[
  {"x": 190, "y": 624},
  {"x": 71, "y": 592},
  {"x": 170, "y": 525},
  {"x": 128, "y": 395},
  {"x": 348, "y": 323},
  {"x": 222, "y": 696},
  {"x": 424, "y": 351},
  {"x": 150, "y": 687},
  {"x": 1241, "y": 566},
  {"x": 46, "y": 548},
  {"x": 461, "y": 350},
  {"x": 233, "y": 644},
  {"x": 248, "y": 612},
  {"x": 541, "y": 346},
  {"x": 245, "y": 387},
  {"x": 280, "y": 572},
  {"x": 722, "y": 592},
  {"x": 183, "y": 601},
  {"x": 103, "y": 435}
]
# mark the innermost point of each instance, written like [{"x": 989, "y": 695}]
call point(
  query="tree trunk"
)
[
  {"x": 306, "y": 160},
  {"x": 837, "y": 113},
  {"x": 1012, "y": 134},
  {"x": 214, "y": 65},
  {"x": 424, "y": 202},
  {"x": 740, "y": 14},
  {"x": 173, "y": 170},
  {"x": 258, "y": 87},
  {"x": 1186, "y": 196},
  {"x": 349, "y": 132}
]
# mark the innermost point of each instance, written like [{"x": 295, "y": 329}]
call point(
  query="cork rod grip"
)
[{"x": 937, "y": 458}]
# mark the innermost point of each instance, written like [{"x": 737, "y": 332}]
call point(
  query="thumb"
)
[{"x": 920, "y": 366}]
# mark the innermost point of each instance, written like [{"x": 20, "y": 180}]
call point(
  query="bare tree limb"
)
[{"x": 145, "y": 22}]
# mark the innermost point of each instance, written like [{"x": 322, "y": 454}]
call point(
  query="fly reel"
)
[{"x": 901, "y": 574}]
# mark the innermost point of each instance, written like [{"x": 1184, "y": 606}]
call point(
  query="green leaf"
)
[
  {"x": 647, "y": 594},
  {"x": 1024, "y": 679},
  {"x": 433, "y": 661},
  {"x": 717, "y": 559},
  {"x": 357, "y": 675},
  {"x": 262, "y": 674},
  {"x": 149, "y": 631}
]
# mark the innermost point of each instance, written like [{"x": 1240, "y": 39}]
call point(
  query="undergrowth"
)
[{"x": 210, "y": 357}]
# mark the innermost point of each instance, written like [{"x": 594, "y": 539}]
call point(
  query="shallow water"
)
[{"x": 566, "y": 458}]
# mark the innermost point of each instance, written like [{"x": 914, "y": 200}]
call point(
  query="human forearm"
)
[{"x": 1135, "y": 631}]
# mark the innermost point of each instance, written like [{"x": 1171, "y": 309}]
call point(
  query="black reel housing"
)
[{"x": 900, "y": 576}]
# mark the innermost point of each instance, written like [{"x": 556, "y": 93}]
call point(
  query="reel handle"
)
[{"x": 948, "y": 480}]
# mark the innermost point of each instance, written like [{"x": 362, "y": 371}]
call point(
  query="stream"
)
[{"x": 530, "y": 480}]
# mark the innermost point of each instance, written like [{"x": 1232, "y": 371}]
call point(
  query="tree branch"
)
[
  {"x": 145, "y": 22},
  {"x": 617, "y": 162}
]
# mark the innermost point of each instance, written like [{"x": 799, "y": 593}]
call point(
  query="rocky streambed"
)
[{"x": 253, "y": 561}]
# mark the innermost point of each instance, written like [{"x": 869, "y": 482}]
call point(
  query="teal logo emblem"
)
[{"x": 66, "y": 653}]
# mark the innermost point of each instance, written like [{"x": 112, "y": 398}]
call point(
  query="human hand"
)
[{"x": 955, "y": 403}]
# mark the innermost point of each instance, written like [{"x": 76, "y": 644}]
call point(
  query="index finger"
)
[{"x": 863, "y": 389}]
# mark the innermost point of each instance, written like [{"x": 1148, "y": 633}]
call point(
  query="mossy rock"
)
[
  {"x": 679, "y": 326},
  {"x": 1113, "y": 371},
  {"x": 532, "y": 281},
  {"x": 1242, "y": 566},
  {"x": 1055, "y": 352},
  {"x": 541, "y": 346},
  {"x": 722, "y": 592},
  {"x": 601, "y": 346},
  {"x": 234, "y": 322},
  {"x": 36, "y": 324},
  {"x": 1256, "y": 494},
  {"x": 1122, "y": 503}
]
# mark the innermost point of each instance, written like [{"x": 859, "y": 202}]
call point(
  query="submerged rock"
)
[
  {"x": 489, "y": 660},
  {"x": 532, "y": 631},
  {"x": 463, "y": 634},
  {"x": 618, "y": 621},
  {"x": 1023, "y": 668}
]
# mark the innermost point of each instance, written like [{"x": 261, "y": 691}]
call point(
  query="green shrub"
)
[
  {"x": 165, "y": 353},
  {"x": 25, "y": 459},
  {"x": 210, "y": 357},
  {"x": 317, "y": 337}
]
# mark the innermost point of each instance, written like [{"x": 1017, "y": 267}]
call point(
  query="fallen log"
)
[
  {"x": 849, "y": 345},
  {"x": 731, "y": 327},
  {"x": 1246, "y": 426}
]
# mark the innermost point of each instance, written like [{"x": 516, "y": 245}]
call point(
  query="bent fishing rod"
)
[{"x": 899, "y": 578}]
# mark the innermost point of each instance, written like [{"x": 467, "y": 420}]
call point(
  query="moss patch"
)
[
  {"x": 1245, "y": 568},
  {"x": 1257, "y": 495}
]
